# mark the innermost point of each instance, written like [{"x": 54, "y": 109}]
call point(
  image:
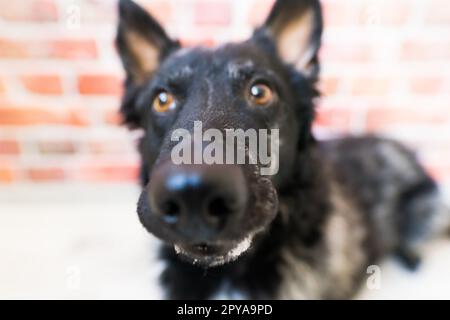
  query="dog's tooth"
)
[{"x": 178, "y": 250}]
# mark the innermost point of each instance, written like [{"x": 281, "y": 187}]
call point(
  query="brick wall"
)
[{"x": 386, "y": 68}]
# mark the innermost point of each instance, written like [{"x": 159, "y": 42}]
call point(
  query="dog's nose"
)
[{"x": 198, "y": 200}]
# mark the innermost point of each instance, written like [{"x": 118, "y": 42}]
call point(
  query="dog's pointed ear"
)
[
  {"x": 142, "y": 43},
  {"x": 295, "y": 27}
]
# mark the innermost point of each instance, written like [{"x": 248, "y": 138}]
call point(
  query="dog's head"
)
[{"x": 209, "y": 211}]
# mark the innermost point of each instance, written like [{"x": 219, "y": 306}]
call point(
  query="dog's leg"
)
[
  {"x": 409, "y": 257},
  {"x": 421, "y": 216}
]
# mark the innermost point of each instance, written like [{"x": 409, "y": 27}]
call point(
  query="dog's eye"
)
[
  {"x": 163, "y": 102},
  {"x": 261, "y": 94}
]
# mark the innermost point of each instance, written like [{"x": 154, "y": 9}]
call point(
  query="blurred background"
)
[{"x": 68, "y": 170}]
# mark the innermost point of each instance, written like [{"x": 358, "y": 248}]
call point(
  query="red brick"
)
[
  {"x": 45, "y": 174},
  {"x": 20, "y": 116},
  {"x": 56, "y": 147},
  {"x": 48, "y": 49},
  {"x": 162, "y": 10},
  {"x": 426, "y": 85},
  {"x": 7, "y": 174},
  {"x": 72, "y": 49},
  {"x": 329, "y": 86},
  {"x": 94, "y": 84},
  {"x": 387, "y": 117},
  {"x": 440, "y": 172},
  {"x": 259, "y": 10},
  {"x": 113, "y": 117},
  {"x": 31, "y": 10},
  {"x": 370, "y": 86},
  {"x": 336, "y": 13},
  {"x": 12, "y": 49},
  {"x": 192, "y": 41},
  {"x": 9, "y": 147},
  {"x": 215, "y": 13},
  {"x": 43, "y": 84},
  {"x": 346, "y": 53},
  {"x": 111, "y": 146},
  {"x": 426, "y": 50},
  {"x": 2, "y": 87},
  {"x": 437, "y": 12},
  {"x": 108, "y": 172},
  {"x": 335, "y": 118}
]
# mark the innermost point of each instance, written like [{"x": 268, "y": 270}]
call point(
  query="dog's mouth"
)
[{"x": 213, "y": 254}]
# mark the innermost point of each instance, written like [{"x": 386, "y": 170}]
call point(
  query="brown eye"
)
[
  {"x": 163, "y": 102},
  {"x": 261, "y": 94}
]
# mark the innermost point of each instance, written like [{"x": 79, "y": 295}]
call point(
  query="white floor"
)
[{"x": 85, "y": 242}]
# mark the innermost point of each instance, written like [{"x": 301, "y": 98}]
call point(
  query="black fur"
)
[{"x": 372, "y": 188}]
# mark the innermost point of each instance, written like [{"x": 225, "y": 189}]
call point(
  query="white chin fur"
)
[{"x": 231, "y": 255}]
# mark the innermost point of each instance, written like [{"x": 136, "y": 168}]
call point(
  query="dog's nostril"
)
[
  {"x": 170, "y": 211},
  {"x": 219, "y": 207}
]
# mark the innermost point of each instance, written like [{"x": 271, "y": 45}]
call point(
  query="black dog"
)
[{"x": 311, "y": 230}]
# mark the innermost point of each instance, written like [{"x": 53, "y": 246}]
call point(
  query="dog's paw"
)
[{"x": 409, "y": 258}]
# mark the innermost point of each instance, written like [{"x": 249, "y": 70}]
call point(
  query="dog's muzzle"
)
[{"x": 209, "y": 213}]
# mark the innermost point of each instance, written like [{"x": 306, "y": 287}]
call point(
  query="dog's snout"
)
[{"x": 198, "y": 201}]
